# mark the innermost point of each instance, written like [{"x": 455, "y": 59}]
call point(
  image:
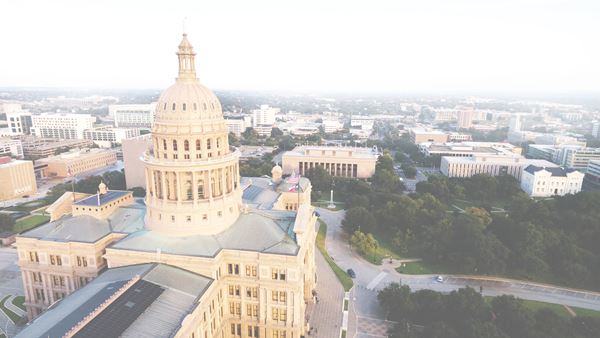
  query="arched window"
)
[
  {"x": 200, "y": 189},
  {"x": 173, "y": 106},
  {"x": 174, "y": 145},
  {"x": 198, "y": 145},
  {"x": 184, "y": 106},
  {"x": 186, "y": 145},
  {"x": 165, "y": 144},
  {"x": 189, "y": 191},
  {"x": 208, "y": 144}
]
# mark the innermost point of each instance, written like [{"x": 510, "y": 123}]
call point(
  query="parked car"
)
[
  {"x": 351, "y": 273},
  {"x": 439, "y": 279}
]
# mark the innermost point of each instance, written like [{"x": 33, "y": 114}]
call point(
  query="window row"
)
[{"x": 184, "y": 106}]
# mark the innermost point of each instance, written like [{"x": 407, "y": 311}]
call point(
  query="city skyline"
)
[{"x": 465, "y": 46}]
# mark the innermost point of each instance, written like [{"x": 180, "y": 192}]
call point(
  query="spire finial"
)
[{"x": 187, "y": 67}]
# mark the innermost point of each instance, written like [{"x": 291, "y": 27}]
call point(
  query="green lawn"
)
[
  {"x": 28, "y": 206},
  {"x": 415, "y": 268},
  {"x": 556, "y": 308},
  {"x": 343, "y": 277},
  {"x": 29, "y": 222},
  {"x": 19, "y": 302},
  {"x": 13, "y": 316}
]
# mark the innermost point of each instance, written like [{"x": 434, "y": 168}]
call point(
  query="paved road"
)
[
  {"x": 10, "y": 284},
  {"x": 372, "y": 277}
]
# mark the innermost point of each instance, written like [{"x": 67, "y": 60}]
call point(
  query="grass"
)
[
  {"x": 19, "y": 302},
  {"x": 29, "y": 222},
  {"x": 28, "y": 206},
  {"x": 343, "y": 333},
  {"x": 325, "y": 204},
  {"x": 15, "y": 318},
  {"x": 556, "y": 308},
  {"x": 415, "y": 268},
  {"x": 342, "y": 276},
  {"x": 345, "y": 305}
]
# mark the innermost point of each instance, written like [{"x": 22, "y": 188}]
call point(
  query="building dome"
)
[{"x": 192, "y": 173}]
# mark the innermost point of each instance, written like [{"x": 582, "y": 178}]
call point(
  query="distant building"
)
[
  {"x": 592, "y": 174},
  {"x": 133, "y": 149},
  {"x": 515, "y": 123},
  {"x": 555, "y": 181},
  {"x": 17, "y": 178},
  {"x": 364, "y": 122},
  {"x": 263, "y": 119},
  {"x": 16, "y": 120},
  {"x": 331, "y": 126},
  {"x": 44, "y": 147},
  {"x": 337, "y": 161},
  {"x": 459, "y": 137},
  {"x": 596, "y": 129},
  {"x": 61, "y": 126},
  {"x": 467, "y": 149},
  {"x": 11, "y": 147},
  {"x": 465, "y": 118},
  {"x": 569, "y": 156},
  {"x": 133, "y": 115},
  {"x": 78, "y": 161},
  {"x": 493, "y": 165},
  {"x": 110, "y": 135},
  {"x": 237, "y": 124},
  {"x": 420, "y": 135}
]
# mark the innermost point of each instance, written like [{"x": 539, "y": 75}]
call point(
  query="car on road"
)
[
  {"x": 351, "y": 273},
  {"x": 439, "y": 279}
]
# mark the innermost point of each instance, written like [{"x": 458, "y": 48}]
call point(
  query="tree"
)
[
  {"x": 250, "y": 136},
  {"x": 409, "y": 170},
  {"x": 385, "y": 162},
  {"x": 6, "y": 222},
  {"x": 276, "y": 132},
  {"x": 138, "y": 192},
  {"x": 356, "y": 218},
  {"x": 319, "y": 178},
  {"x": 286, "y": 143},
  {"x": 233, "y": 140}
]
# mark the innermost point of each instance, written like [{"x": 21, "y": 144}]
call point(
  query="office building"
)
[
  {"x": 133, "y": 150},
  {"x": 61, "y": 126},
  {"x": 420, "y": 135},
  {"x": 263, "y": 119},
  {"x": 204, "y": 255},
  {"x": 568, "y": 156},
  {"x": 592, "y": 174},
  {"x": 467, "y": 149},
  {"x": 554, "y": 181},
  {"x": 16, "y": 121},
  {"x": 17, "y": 178},
  {"x": 109, "y": 135},
  {"x": 493, "y": 165},
  {"x": 596, "y": 129},
  {"x": 465, "y": 118},
  {"x": 35, "y": 147},
  {"x": 132, "y": 115},
  {"x": 78, "y": 161},
  {"x": 337, "y": 161},
  {"x": 515, "y": 123},
  {"x": 11, "y": 147},
  {"x": 238, "y": 124},
  {"x": 332, "y": 126}
]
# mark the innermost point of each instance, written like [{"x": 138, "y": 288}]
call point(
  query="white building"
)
[
  {"x": 596, "y": 128},
  {"x": 331, "y": 126},
  {"x": 592, "y": 174},
  {"x": 16, "y": 121},
  {"x": 11, "y": 147},
  {"x": 514, "y": 124},
  {"x": 493, "y": 165},
  {"x": 263, "y": 119},
  {"x": 555, "y": 181},
  {"x": 577, "y": 158},
  {"x": 237, "y": 125},
  {"x": 62, "y": 126},
  {"x": 362, "y": 122},
  {"x": 468, "y": 149},
  {"x": 108, "y": 135},
  {"x": 133, "y": 115}
]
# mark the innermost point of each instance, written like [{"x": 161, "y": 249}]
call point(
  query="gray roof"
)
[
  {"x": 108, "y": 197},
  {"x": 88, "y": 229},
  {"x": 266, "y": 231},
  {"x": 262, "y": 192},
  {"x": 161, "y": 318},
  {"x": 554, "y": 171}
]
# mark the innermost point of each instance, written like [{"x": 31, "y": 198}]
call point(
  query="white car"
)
[{"x": 439, "y": 279}]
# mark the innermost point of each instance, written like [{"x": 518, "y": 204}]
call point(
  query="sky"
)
[{"x": 330, "y": 45}]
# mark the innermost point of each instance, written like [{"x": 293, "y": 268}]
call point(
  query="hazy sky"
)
[{"x": 370, "y": 45}]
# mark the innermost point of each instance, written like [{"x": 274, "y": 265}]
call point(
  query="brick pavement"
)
[{"x": 325, "y": 317}]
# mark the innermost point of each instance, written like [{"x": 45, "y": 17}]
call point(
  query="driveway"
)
[
  {"x": 370, "y": 278},
  {"x": 10, "y": 284}
]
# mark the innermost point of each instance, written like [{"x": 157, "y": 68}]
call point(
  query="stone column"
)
[
  {"x": 163, "y": 181},
  {"x": 194, "y": 188},
  {"x": 178, "y": 186}
]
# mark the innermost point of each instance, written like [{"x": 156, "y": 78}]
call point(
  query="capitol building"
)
[{"x": 205, "y": 254}]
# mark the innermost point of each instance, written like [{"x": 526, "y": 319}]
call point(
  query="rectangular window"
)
[{"x": 55, "y": 260}]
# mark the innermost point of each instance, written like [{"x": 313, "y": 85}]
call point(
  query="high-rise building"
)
[
  {"x": 515, "y": 123},
  {"x": 133, "y": 115},
  {"x": 465, "y": 118},
  {"x": 16, "y": 120},
  {"x": 62, "y": 126},
  {"x": 596, "y": 128},
  {"x": 11, "y": 147},
  {"x": 205, "y": 255},
  {"x": 263, "y": 119}
]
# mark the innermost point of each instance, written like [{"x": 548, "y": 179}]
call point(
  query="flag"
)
[
  {"x": 293, "y": 179},
  {"x": 293, "y": 188},
  {"x": 69, "y": 173}
]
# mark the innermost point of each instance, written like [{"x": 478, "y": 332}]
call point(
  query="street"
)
[{"x": 364, "y": 314}]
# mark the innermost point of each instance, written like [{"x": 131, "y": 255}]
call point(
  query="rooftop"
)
[
  {"x": 106, "y": 198},
  {"x": 355, "y": 152},
  {"x": 554, "y": 171},
  {"x": 266, "y": 231},
  {"x": 152, "y": 306}
]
